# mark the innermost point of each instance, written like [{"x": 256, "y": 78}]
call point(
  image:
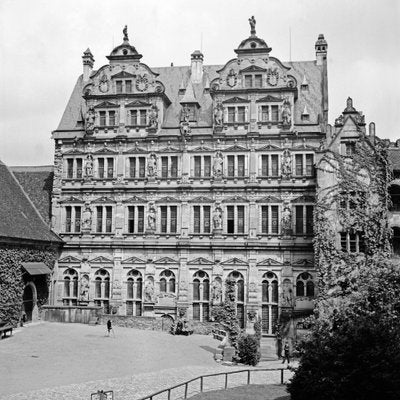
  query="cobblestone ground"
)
[{"x": 70, "y": 361}]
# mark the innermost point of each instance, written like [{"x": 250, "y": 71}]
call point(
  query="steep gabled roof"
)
[{"x": 19, "y": 219}]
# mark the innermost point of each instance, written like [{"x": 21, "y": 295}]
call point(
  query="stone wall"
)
[
  {"x": 144, "y": 323},
  {"x": 77, "y": 314}
]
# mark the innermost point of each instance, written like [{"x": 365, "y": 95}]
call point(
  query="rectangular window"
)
[
  {"x": 248, "y": 81},
  {"x": 70, "y": 168},
  {"x": 196, "y": 219},
  {"x": 140, "y": 218},
  {"x": 133, "y": 117},
  {"x": 264, "y": 113},
  {"x": 240, "y": 162},
  {"x": 196, "y": 312},
  {"x": 309, "y": 164},
  {"x": 352, "y": 242},
  {"x": 142, "y": 167},
  {"x": 299, "y": 229},
  {"x": 118, "y": 85},
  {"x": 131, "y": 219},
  {"x": 197, "y": 166},
  {"x": 77, "y": 219},
  {"x": 164, "y": 219},
  {"x": 274, "y": 113},
  {"x": 99, "y": 219},
  {"x": 108, "y": 219},
  {"x": 240, "y": 219},
  {"x": 132, "y": 167},
  {"x": 79, "y": 168},
  {"x": 102, "y": 118},
  {"x": 258, "y": 81},
  {"x": 274, "y": 165},
  {"x": 299, "y": 164},
  {"x": 231, "y": 165},
  {"x": 110, "y": 167},
  {"x": 68, "y": 219},
  {"x": 100, "y": 162},
  {"x": 128, "y": 86},
  {"x": 173, "y": 218},
  {"x": 264, "y": 165},
  {"x": 350, "y": 148},
  {"x": 274, "y": 219},
  {"x": 241, "y": 114},
  {"x": 111, "y": 118},
  {"x": 207, "y": 166},
  {"x": 309, "y": 220},
  {"x": 174, "y": 167},
  {"x": 206, "y": 219},
  {"x": 164, "y": 167},
  {"x": 264, "y": 219},
  {"x": 135, "y": 219},
  {"x": 143, "y": 115},
  {"x": 231, "y": 114},
  {"x": 206, "y": 312},
  {"x": 230, "y": 222}
]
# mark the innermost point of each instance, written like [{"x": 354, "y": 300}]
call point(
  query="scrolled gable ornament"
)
[
  {"x": 231, "y": 79},
  {"x": 142, "y": 83},
  {"x": 272, "y": 76}
]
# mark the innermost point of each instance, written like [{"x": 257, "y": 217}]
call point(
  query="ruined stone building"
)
[{"x": 169, "y": 180}]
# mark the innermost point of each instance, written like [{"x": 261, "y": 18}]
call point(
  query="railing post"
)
[
  {"x": 248, "y": 377},
  {"x": 281, "y": 376},
  {"x": 186, "y": 390},
  {"x": 226, "y": 381},
  {"x": 201, "y": 384},
  {"x": 169, "y": 394}
]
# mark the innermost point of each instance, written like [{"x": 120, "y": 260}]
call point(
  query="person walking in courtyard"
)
[
  {"x": 286, "y": 353},
  {"x": 110, "y": 328}
]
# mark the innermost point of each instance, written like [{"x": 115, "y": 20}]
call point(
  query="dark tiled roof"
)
[
  {"x": 19, "y": 218},
  {"x": 37, "y": 183}
]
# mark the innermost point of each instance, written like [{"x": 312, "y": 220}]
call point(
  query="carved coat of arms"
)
[
  {"x": 104, "y": 85},
  {"x": 272, "y": 76},
  {"x": 142, "y": 83},
  {"x": 231, "y": 79}
]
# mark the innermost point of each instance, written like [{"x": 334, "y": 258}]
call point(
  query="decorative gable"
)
[
  {"x": 200, "y": 149},
  {"x": 105, "y": 150},
  {"x": 137, "y": 103},
  {"x": 168, "y": 199},
  {"x": 71, "y": 199},
  {"x": 253, "y": 68},
  {"x": 135, "y": 199},
  {"x": 235, "y": 199},
  {"x": 303, "y": 262},
  {"x": 201, "y": 199},
  {"x": 169, "y": 149},
  {"x": 166, "y": 260},
  {"x": 69, "y": 260},
  {"x": 74, "y": 152},
  {"x": 235, "y": 261},
  {"x": 101, "y": 260},
  {"x": 304, "y": 199},
  {"x": 123, "y": 74},
  {"x": 269, "y": 147},
  {"x": 235, "y": 147},
  {"x": 269, "y": 199},
  {"x": 135, "y": 149},
  {"x": 269, "y": 262},
  {"x": 104, "y": 199},
  {"x": 235, "y": 99},
  {"x": 106, "y": 104},
  {"x": 133, "y": 260},
  {"x": 269, "y": 99},
  {"x": 200, "y": 261}
]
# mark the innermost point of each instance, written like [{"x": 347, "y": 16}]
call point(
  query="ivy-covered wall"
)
[{"x": 12, "y": 280}]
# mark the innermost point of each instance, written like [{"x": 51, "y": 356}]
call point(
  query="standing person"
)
[
  {"x": 110, "y": 328},
  {"x": 286, "y": 353}
]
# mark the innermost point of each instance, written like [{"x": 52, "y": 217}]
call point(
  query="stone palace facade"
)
[{"x": 169, "y": 180}]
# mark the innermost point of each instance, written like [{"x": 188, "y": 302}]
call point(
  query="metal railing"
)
[{"x": 169, "y": 390}]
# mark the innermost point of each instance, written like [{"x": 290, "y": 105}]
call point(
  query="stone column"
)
[
  {"x": 116, "y": 285},
  {"x": 183, "y": 287}
]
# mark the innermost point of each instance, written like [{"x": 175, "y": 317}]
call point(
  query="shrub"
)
[{"x": 249, "y": 351}]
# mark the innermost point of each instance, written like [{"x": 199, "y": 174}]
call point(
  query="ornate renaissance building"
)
[{"x": 169, "y": 180}]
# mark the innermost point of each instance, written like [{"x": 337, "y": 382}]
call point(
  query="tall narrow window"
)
[
  {"x": 264, "y": 165},
  {"x": 274, "y": 219},
  {"x": 77, "y": 219},
  {"x": 230, "y": 223},
  {"x": 258, "y": 81},
  {"x": 132, "y": 167},
  {"x": 231, "y": 165},
  {"x": 110, "y": 167},
  {"x": 173, "y": 212},
  {"x": 248, "y": 81},
  {"x": 111, "y": 118},
  {"x": 103, "y": 121},
  {"x": 142, "y": 167},
  {"x": 241, "y": 114},
  {"x": 240, "y": 160},
  {"x": 299, "y": 164},
  {"x": 240, "y": 219},
  {"x": 309, "y": 220},
  {"x": 79, "y": 168},
  {"x": 68, "y": 219},
  {"x": 164, "y": 167},
  {"x": 133, "y": 115},
  {"x": 100, "y": 162},
  {"x": 70, "y": 168},
  {"x": 118, "y": 85},
  {"x": 196, "y": 219},
  {"x": 264, "y": 114},
  {"x": 206, "y": 219},
  {"x": 309, "y": 164},
  {"x": 99, "y": 219},
  {"x": 128, "y": 86},
  {"x": 197, "y": 166},
  {"x": 207, "y": 166},
  {"x": 274, "y": 113},
  {"x": 131, "y": 219},
  {"x": 200, "y": 296},
  {"x": 264, "y": 219},
  {"x": 299, "y": 220},
  {"x": 108, "y": 218},
  {"x": 174, "y": 167},
  {"x": 140, "y": 219},
  {"x": 231, "y": 114},
  {"x": 164, "y": 219},
  {"x": 274, "y": 165},
  {"x": 143, "y": 116}
]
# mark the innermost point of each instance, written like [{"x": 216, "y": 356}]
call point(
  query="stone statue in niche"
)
[
  {"x": 86, "y": 218},
  {"x": 89, "y": 166},
  {"x": 153, "y": 117},
  {"x": 252, "y": 22},
  {"x": 286, "y": 166},
  {"x": 152, "y": 165},
  {"x": 219, "y": 114},
  {"x": 286, "y": 113},
  {"x": 218, "y": 164},
  {"x": 216, "y": 292},
  {"x": 151, "y": 219},
  {"x": 149, "y": 291},
  {"x": 286, "y": 220},
  {"x": 287, "y": 294},
  {"x": 217, "y": 218},
  {"x": 185, "y": 124},
  {"x": 90, "y": 118},
  {"x": 84, "y": 291}
]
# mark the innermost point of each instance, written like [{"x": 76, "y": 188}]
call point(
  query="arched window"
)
[
  {"x": 70, "y": 295},
  {"x": 167, "y": 281},
  {"x": 305, "y": 285},
  {"x": 134, "y": 293},
  {"x": 240, "y": 296},
  {"x": 201, "y": 296},
  {"x": 269, "y": 298},
  {"x": 102, "y": 289}
]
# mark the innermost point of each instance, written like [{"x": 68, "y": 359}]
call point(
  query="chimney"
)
[
  {"x": 197, "y": 66},
  {"x": 88, "y": 62},
  {"x": 372, "y": 131},
  {"x": 321, "y": 49}
]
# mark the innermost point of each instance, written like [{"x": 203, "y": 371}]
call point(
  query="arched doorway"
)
[
  {"x": 167, "y": 322},
  {"x": 28, "y": 299}
]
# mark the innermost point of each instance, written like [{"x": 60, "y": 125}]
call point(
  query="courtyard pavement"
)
[{"x": 51, "y": 361}]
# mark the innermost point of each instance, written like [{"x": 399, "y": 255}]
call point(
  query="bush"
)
[{"x": 249, "y": 351}]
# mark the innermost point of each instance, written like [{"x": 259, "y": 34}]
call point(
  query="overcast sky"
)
[{"x": 42, "y": 41}]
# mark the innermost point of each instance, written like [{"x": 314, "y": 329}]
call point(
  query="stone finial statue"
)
[
  {"x": 217, "y": 218},
  {"x": 286, "y": 113},
  {"x": 252, "y": 22},
  {"x": 125, "y": 32},
  {"x": 153, "y": 117},
  {"x": 151, "y": 219},
  {"x": 286, "y": 220},
  {"x": 149, "y": 291},
  {"x": 218, "y": 164},
  {"x": 219, "y": 114},
  {"x": 89, "y": 166},
  {"x": 152, "y": 165}
]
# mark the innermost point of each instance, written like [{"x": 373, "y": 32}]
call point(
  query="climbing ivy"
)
[{"x": 12, "y": 282}]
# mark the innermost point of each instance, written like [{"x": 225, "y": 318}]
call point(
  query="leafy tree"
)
[{"x": 249, "y": 349}]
